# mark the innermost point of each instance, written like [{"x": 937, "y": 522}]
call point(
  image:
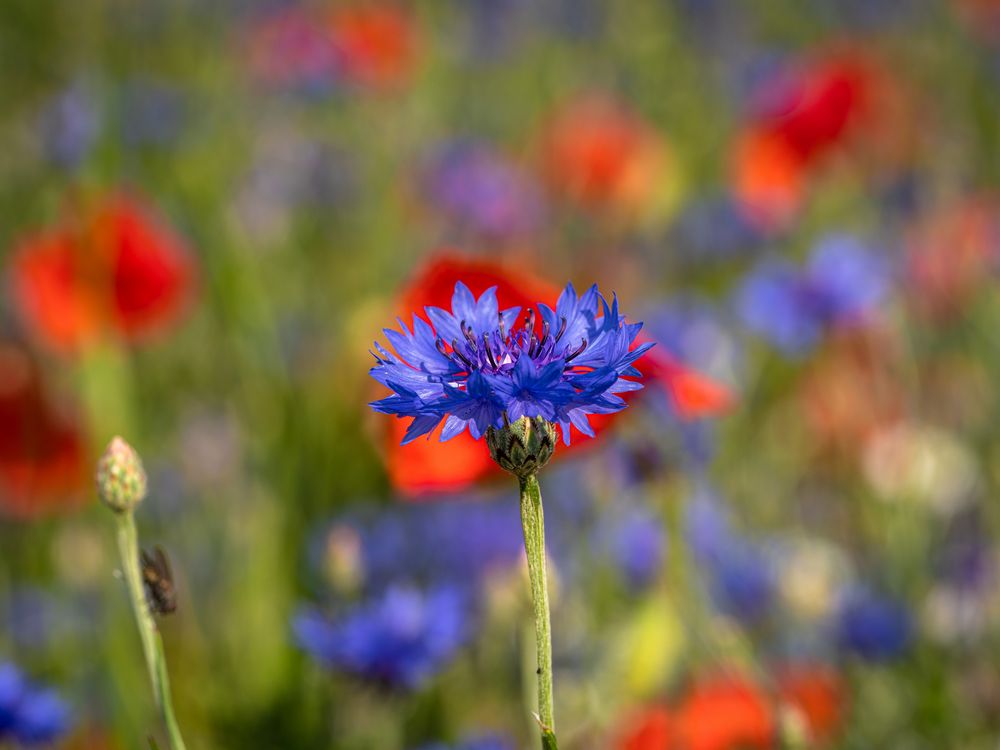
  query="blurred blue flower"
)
[
  {"x": 638, "y": 546},
  {"x": 477, "y": 189},
  {"x": 742, "y": 581},
  {"x": 739, "y": 573},
  {"x": 29, "y": 715},
  {"x": 792, "y": 306},
  {"x": 152, "y": 112},
  {"x": 399, "y": 639},
  {"x": 456, "y": 543},
  {"x": 873, "y": 626},
  {"x": 480, "y": 742},
  {"x": 713, "y": 229},
  {"x": 474, "y": 368},
  {"x": 68, "y": 126}
]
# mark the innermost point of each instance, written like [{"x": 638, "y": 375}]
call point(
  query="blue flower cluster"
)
[
  {"x": 739, "y": 573},
  {"x": 480, "y": 742},
  {"x": 791, "y": 307},
  {"x": 475, "y": 366},
  {"x": 399, "y": 639},
  {"x": 29, "y": 715},
  {"x": 872, "y": 626},
  {"x": 477, "y": 189}
]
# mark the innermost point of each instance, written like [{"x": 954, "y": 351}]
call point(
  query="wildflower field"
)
[{"x": 308, "y": 308}]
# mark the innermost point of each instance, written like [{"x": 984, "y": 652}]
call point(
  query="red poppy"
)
[
  {"x": 725, "y": 712},
  {"x": 950, "y": 254},
  {"x": 597, "y": 153},
  {"x": 834, "y": 100},
  {"x": 850, "y": 392},
  {"x": 428, "y": 465},
  {"x": 375, "y": 45},
  {"x": 42, "y": 454},
  {"x": 109, "y": 270},
  {"x": 818, "y": 692},
  {"x": 650, "y": 730},
  {"x": 719, "y": 712}
]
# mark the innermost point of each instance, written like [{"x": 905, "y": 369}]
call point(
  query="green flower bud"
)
[
  {"x": 121, "y": 480},
  {"x": 522, "y": 447}
]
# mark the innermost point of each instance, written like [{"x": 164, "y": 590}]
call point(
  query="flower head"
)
[
  {"x": 399, "y": 640},
  {"x": 42, "y": 443},
  {"x": 475, "y": 366},
  {"x": 29, "y": 715},
  {"x": 120, "y": 479},
  {"x": 423, "y": 467},
  {"x": 110, "y": 269}
]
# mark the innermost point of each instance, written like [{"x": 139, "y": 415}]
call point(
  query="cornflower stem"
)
[
  {"x": 533, "y": 525},
  {"x": 152, "y": 643}
]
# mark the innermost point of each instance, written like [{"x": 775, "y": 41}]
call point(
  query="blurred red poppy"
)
[
  {"x": 951, "y": 254},
  {"x": 375, "y": 44},
  {"x": 426, "y": 466},
  {"x": 650, "y": 730},
  {"x": 110, "y": 269},
  {"x": 42, "y": 453},
  {"x": 725, "y": 712},
  {"x": 819, "y": 693},
  {"x": 849, "y": 392},
  {"x": 600, "y": 155},
  {"x": 806, "y": 113},
  {"x": 731, "y": 712}
]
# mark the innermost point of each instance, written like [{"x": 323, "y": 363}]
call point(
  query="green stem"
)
[
  {"x": 533, "y": 524},
  {"x": 152, "y": 644}
]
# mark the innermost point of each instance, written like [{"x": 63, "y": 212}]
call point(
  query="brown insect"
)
[{"x": 158, "y": 581}]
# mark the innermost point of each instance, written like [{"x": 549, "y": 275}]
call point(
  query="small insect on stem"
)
[{"x": 159, "y": 581}]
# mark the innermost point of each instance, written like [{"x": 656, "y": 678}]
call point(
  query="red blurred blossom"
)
[
  {"x": 950, "y": 255},
  {"x": 819, "y": 692},
  {"x": 850, "y": 392},
  {"x": 836, "y": 101},
  {"x": 427, "y": 466},
  {"x": 376, "y": 44},
  {"x": 110, "y": 268},
  {"x": 289, "y": 47},
  {"x": 729, "y": 711},
  {"x": 980, "y": 17},
  {"x": 42, "y": 452},
  {"x": 597, "y": 153}
]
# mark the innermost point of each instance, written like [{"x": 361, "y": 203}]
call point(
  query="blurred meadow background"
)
[{"x": 208, "y": 212}]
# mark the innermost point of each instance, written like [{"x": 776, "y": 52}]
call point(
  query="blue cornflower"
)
[
  {"x": 473, "y": 367},
  {"x": 791, "y": 307},
  {"x": 738, "y": 571},
  {"x": 400, "y": 639},
  {"x": 29, "y": 715},
  {"x": 478, "y": 189},
  {"x": 479, "y": 742},
  {"x": 637, "y": 546},
  {"x": 872, "y": 626}
]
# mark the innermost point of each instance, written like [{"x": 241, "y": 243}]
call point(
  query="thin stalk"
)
[
  {"x": 533, "y": 524},
  {"x": 152, "y": 644}
]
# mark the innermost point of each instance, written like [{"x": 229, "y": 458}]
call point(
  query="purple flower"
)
[
  {"x": 638, "y": 546},
  {"x": 479, "y": 190},
  {"x": 479, "y": 742},
  {"x": 29, "y": 715},
  {"x": 872, "y": 626},
  {"x": 453, "y": 543},
  {"x": 791, "y": 307},
  {"x": 738, "y": 572},
  {"x": 472, "y": 367},
  {"x": 69, "y": 126},
  {"x": 399, "y": 639}
]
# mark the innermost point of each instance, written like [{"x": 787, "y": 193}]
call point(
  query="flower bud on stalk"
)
[
  {"x": 524, "y": 446},
  {"x": 120, "y": 478}
]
